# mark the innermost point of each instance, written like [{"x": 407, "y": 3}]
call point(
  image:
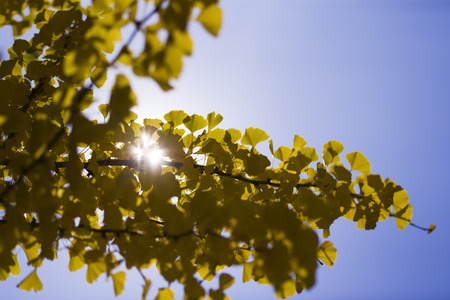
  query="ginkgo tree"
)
[{"x": 179, "y": 192}]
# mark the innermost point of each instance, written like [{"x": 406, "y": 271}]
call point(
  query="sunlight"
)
[{"x": 149, "y": 151}]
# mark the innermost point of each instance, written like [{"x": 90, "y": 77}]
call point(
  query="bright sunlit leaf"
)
[{"x": 31, "y": 282}]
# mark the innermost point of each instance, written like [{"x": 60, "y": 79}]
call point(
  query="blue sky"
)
[{"x": 374, "y": 75}]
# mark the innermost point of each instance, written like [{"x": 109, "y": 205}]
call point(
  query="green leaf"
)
[
  {"x": 327, "y": 253},
  {"x": 119, "y": 281},
  {"x": 195, "y": 122},
  {"x": 331, "y": 152},
  {"x": 31, "y": 282},
  {"x": 254, "y": 136},
  {"x": 211, "y": 19},
  {"x": 358, "y": 162}
]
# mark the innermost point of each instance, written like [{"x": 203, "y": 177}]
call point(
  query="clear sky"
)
[{"x": 372, "y": 74}]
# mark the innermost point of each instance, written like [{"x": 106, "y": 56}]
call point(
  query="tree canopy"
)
[{"x": 180, "y": 192}]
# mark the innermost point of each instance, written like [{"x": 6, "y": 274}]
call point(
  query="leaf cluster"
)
[{"x": 209, "y": 200}]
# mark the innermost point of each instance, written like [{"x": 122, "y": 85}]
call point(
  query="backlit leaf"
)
[
  {"x": 176, "y": 117},
  {"x": 327, "y": 253},
  {"x": 213, "y": 120},
  {"x": 119, "y": 281},
  {"x": 195, "y": 122},
  {"x": 358, "y": 162},
  {"x": 254, "y": 136},
  {"x": 331, "y": 152},
  {"x": 211, "y": 19},
  {"x": 299, "y": 142},
  {"x": 94, "y": 270},
  {"x": 165, "y": 294},
  {"x": 75, "y": 263},
  {"x": 31, "y": 282}
]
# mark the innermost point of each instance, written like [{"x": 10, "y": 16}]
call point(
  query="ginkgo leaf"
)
[
  {"x": 31, "y": 282},
  {"x": 211, "y": 19},
  {"x": 247, "y": 272},
  {"x": 3, "y": 275},
  {"x": 176, "y": 117},
  {"x": 299, "y": 142},
  {"x": 225, "y": 281},
  {"x": 431, "y": 229},
  {"x": 235, "y": 134},
  {"x": 75, "y": 263},
  {"x": 358, "y": 162},
  {"x": 401, "y": 199},
  {"x": 403, "y": 217},
  {"x": 213, "y": 120},
  {"x": 286, "y": 290},
  {"x": 195, "y": 122},
  {"x": 165, "y": 294},
  {"x": 283, "y": 153},
  {"x": 15, "y": 269},
  {"x": 104, "y": 109},
  {"x": 331, "y": 152},
  {"x": 146, "y": 288},
  {"x": 254, "y": 136},
  {"x": 119, "y": 281},
  {"x": 94, "y": 270},
  {"x": 327, "y": 253}
]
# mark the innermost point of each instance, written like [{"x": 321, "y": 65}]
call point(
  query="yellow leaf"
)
[
  {"x": 283, "y": 153},
  {"x": 235, "y": 134},
  {"x": 119, "y": 280},
  {"x": 32, "y": 282},
  {"x": 3, "y": 275},
  {"x": 331, "y": 152},
  {"x": 327, "y": 253},
  {"x": 402, "y": 209},
  {"x": 299, "y": 142},
  {"x": 432, "y": 227},
  {"x": 213, "y": 120},
  {"x": 254, "y": 136},
  {"x": 247, "y": 273},
  {"x": 211, "y": 19},
  {"x": 401, "y": 199},
  {"x": 165, "y": 294},
  {"x": 146, "y": 288},
  {"x": 358, "y": 162},
  {"x": 75, "y": 263},
  {"x": 104, "y": 109},
  {"x": 94, "y": 270},
  {"x": 205, "y": 273},
  {"x": 195, "y": 122},
  {"x": 183, "y": 41},
  {"x": 15, "y": 269},
  {"x": 176, "y": 117},
  {"x": 286, "y": 290}
]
